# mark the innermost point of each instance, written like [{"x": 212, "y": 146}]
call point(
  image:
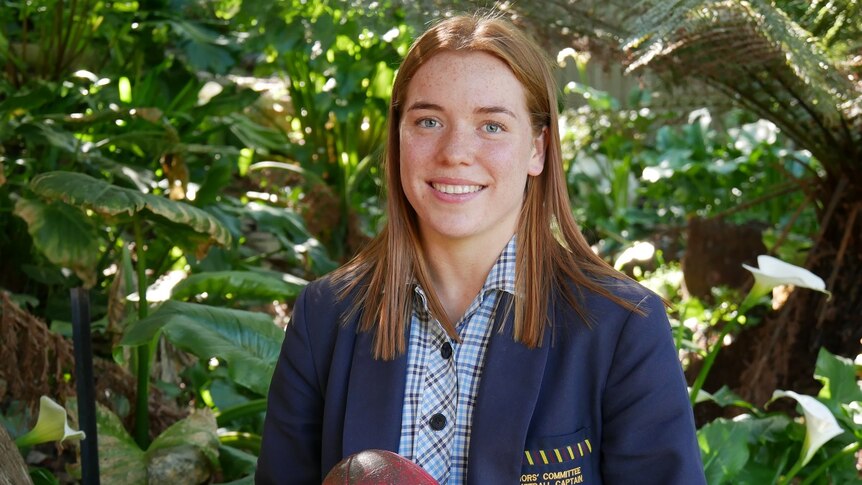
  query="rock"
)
[{"x": 184, "y": 465}]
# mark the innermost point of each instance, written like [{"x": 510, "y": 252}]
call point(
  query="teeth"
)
[{"x": 457, "y": 189}]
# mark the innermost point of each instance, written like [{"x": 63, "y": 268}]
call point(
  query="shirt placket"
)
[{"x": 438, "y": 410}]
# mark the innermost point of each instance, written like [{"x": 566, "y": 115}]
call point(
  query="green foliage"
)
[
  {"x": 232, "y": 142},
  {"x": 41, "y": 476},
  {"x": 247, "y": 341},
  {"x": 236, "y": 464},
  {"x": 87, "y": 193},
  {"x": 237, "y": 143},
  {"x": 66, "y": 236},
  {"x": 762, "y": 446},
  {"x": 122, "y": 461},
  {"x": 147, "y": 144},
  {"x": 238, "y": 285},
  {"x": 340, "y": 60},
  {"x": 840, "y": 389},
  {"x": 726, "y": 445},
  {"x": 757, "y": 448},
  {"x": 278, "y": 234},
  {"x": 633, "y": 171}
]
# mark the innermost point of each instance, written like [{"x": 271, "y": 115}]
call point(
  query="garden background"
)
[{"x": 220, "y": 154}]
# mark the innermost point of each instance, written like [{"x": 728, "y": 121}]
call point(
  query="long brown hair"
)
[{"x": 553, "y": 257}]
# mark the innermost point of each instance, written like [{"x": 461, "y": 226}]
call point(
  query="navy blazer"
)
[{"x": 599, "y": 403}]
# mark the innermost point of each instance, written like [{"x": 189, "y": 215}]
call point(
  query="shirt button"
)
[
  {"x": 446, "y": 350},
  {"x": 437, "y": 422}
]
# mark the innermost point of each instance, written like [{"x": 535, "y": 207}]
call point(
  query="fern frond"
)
[
  {"x": 755, "y": 53},
  {"x": 797, "y": 63}
]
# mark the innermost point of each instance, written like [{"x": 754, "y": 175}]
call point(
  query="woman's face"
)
[{"x": 467, "y": 148}]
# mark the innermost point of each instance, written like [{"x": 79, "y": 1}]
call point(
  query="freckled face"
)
[{"x": 467, "y": 148}]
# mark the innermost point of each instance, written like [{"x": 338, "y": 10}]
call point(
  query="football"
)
[{"x": 377, "y": 467}]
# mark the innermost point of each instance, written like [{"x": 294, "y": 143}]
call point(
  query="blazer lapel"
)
[
  {"x": 375, "y": 397},
  {"x": 508, "y": 391}
]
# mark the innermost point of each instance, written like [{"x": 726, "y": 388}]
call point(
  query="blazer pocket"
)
[{"x": 560, "y": 460}]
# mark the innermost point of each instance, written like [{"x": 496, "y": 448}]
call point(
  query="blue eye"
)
[
  {"x": 493, "y": 127},
  {"x": 428, "y": 123}
]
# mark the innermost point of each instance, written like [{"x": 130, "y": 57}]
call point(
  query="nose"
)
[{"x": 459, "y": 145}]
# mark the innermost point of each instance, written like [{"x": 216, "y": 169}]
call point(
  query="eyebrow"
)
[
  {"x": 496, "y": 109},
  {"x": 423, "y": 105},
  {"x": 420, "y": 105}
]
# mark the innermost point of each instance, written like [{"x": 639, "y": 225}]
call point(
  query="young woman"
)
[{"x": 478, "y": 335}]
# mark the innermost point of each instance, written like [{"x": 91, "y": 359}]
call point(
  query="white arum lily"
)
[
  {"x": 50, "y": 426},
  {"x": 820, "y": 425},
  {"x": 772, "y": 272},
  {"x": 702, "y": 396},
  {"x": 854, "y": 409}
]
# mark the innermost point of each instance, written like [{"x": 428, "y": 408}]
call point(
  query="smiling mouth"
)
[{"x": 457, "y": 189}]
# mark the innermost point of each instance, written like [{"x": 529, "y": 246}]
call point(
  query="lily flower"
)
[
  {"x": 50, "y": 426},
  {"x": 772, "y": 272},
  {"x": 820, "y": 424},
  {"x": 702, "y": 396}
]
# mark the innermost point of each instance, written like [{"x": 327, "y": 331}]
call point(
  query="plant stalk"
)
[
  {"x": 793, "y": 471},
  {"x": 848, "y": 450},
  {"x": 710, "y": 359},
  {"x": 142, "y": 408},
  {"x": 246, "y": 409},
  {"x": 749, "y": 302}
]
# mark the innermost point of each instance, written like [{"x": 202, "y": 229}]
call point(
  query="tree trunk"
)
[
  {"x": 13, "y": 471},
  {"x": 781, "y": 353}
]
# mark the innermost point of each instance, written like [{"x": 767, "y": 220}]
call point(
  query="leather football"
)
[{"x": 377, "y": 467}]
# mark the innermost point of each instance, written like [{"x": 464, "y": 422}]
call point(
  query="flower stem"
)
[
  {"x": 849, "y": 449},
  {"x": 250, "y": 408},
  {"x": 750, "y": 301},
  {"x": 793, "y": 470},
  {"x": 710, "y": 360},
  {"x": 142, "y": 407}
]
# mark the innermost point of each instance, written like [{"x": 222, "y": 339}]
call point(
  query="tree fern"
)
[
  {"x": 789, "y": 61},
  {"x": 755, "y": 53}
]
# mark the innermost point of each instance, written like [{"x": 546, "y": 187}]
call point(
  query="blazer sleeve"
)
[
  {"x": 648, "y": 432},
  {"x": 291, "y": 448}
]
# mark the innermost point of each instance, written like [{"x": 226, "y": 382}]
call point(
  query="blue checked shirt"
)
[{"x": 443, "y": 377}]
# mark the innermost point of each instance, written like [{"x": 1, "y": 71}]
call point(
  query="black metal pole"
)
[{"x": 84, "y": 385}]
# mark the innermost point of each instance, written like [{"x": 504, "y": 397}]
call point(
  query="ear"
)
[{"x": 537, "y": 159}]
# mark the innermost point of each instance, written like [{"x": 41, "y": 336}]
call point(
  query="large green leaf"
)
[
  {"x": 288, "y": 228},
  {"x": 197, "y": 430},
  {"x": 194, "y": 438},
  {"x": 724, "y": 444},
  {"x": 249, "y": 342},
  {"x": 724, "y": 448},
  {"x": 725, "y": 397},
  {"x": 66, "y": 236},
  {"x": 120, "y": 459},
  {"x": 255, "y": 135},
  {"x": 236, "y": 463},
  {"x": 27, "y": 98},
  {"x": 86, "y": 192},
  {"x": 242, "y": 285},
  {"x": 249, "y": 480},
  {"x": 838, "y": 375}
]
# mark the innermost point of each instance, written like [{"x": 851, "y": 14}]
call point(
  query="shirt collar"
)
[
  {"x": 502, "y": 274},
  {"x": 501, "y": 277}
]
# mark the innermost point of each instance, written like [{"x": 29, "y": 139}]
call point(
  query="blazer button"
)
[
  {"x": 437, "y": 422},
  {"x": 446, "y": 350}
]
